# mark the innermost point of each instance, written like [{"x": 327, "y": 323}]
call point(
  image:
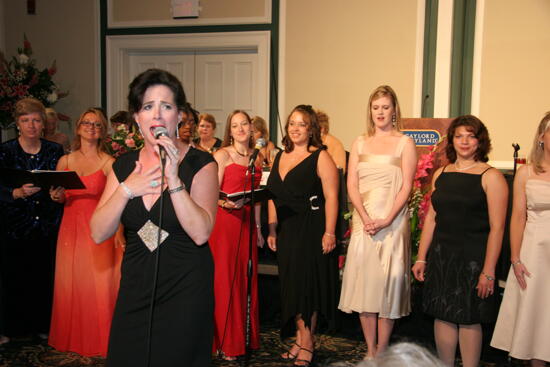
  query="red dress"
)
[
  {"x": 86, "y": 276},
  {"x": 230, "y": 269}
]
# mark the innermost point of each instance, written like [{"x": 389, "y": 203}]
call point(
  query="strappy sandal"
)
[
  {"x": 304, "y": 362},
  {"x": 288, "y": 356},
  {"x": 227, "y": 358}
]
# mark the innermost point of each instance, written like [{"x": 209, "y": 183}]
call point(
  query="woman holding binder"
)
[
  {"x": 28, "y": 226},
  {"x": 86, "y": 275},
  {"x": 230, "y": 241}
]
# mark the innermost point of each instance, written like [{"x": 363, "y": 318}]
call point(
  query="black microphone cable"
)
[{"x": 156, "y": 263}]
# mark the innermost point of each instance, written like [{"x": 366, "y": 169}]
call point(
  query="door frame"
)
[{"x": 118, "y": 47}]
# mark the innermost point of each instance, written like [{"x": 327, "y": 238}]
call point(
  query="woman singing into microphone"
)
[
  {"x": 230, "y": 242},
  {"x": 181, "y": 275}
]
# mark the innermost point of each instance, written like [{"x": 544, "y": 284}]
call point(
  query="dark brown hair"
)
[
  {"x": 313, "y": 128},
  {"x": 475, "y": 126},
  {"x": 152, "y": 77},
  {"x": 227, "y": 135}
]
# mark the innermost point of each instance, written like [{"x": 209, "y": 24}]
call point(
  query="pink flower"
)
[
  {"x": 423, "y": 209},
  {"x": 52, "y": 69},
  {"x": 116, "y": 146},
  {"x": 130, "y": 143},
  {"x": 341, "y": 261}
]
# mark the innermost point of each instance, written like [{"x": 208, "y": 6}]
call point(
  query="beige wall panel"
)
[
  {"x": 64, "y": 31},
  {"x": 515, "y": 82},
  {"x": 336, "y": 54},
  {"x": 147, "y": 10}
]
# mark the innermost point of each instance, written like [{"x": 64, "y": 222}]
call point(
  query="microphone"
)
[
  {"x": 159, "y": 131},
  {"x": 260, "y": 143}
]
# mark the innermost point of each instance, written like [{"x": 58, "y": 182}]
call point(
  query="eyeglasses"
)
[{"x": 91, "y": 124}]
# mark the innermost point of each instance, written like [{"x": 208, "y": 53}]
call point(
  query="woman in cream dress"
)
[
  {"x": 523, "y": 321},
  {"x": 380, "y": 175}
]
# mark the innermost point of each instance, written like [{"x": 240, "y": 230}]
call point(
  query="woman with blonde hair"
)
[
  {"x": 260, "y": 131},
  {"x": 376, "y": 281},
  {"x": 523, "y": 322},
  {"x": 50, "y": 130},
  {"x": 334, "y": 146},
  {"x": 86, "y": 275}
]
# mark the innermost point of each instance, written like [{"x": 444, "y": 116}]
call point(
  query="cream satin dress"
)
[
  {"x": 376, "y": 275},
  {"x": 523, "y": 325}
]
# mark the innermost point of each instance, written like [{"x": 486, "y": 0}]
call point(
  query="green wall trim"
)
[
  {"x": 464, "y": 14},
  {"x": 188, "y": 29},
  {"x": 274, "y": 118},
  {"x": 272, "y": 27},
  {"x": 430, "y": 48}
]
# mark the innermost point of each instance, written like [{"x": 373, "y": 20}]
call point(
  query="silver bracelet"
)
[
  {"x": 488, "y": 277},
  {"x": 421, "y": 261},
  {"x": 514, "y": 263},
  {"x": 127, "y": 190},
  {"x": 176, "y": 189}
]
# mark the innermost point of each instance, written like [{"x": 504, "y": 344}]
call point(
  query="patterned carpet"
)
[
  {"x": 33, "y": 352},
  {"x": 345, "y": 346}
]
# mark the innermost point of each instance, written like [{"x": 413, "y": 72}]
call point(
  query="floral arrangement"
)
[
  {"x": 419, "y": 201},
  {"x": 123, "y": 140},
  {"x": 20, "y": 78}
]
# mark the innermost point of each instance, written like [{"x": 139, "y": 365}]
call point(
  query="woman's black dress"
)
[
  {"x": 183, "y": 317},
  {"x": 457, "y": 252},
  {"x": 309, "y": 279}
]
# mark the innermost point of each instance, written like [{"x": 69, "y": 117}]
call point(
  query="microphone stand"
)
[
  {"x": 516, "y": 150},
  {"x": 248, "y": 328}
]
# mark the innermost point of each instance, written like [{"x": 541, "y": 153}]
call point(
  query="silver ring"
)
[
  {"x": 154, "y": 183},
  {"x": 176, "y": 151}
]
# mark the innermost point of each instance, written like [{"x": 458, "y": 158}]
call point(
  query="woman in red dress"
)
[
  {"x": 229, "y": 242},
  {"x": 86, "y": 275}
]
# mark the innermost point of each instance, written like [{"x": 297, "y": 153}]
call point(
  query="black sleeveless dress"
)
[
  {"x": 183, "y": 317},
  {"x": 309, "y": 279},
  {"x": 457, "y": 253}
]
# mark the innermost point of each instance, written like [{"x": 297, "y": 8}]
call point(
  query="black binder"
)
[{"x": 45, "y": 179}]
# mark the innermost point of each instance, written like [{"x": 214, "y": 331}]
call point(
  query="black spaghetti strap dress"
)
[
  {"x": 457, "y": 253},
  {"x": 183, "y": 316}
]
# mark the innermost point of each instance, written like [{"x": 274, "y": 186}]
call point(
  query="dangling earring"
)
[
  {"x": 177, "y": 133},
  {"x": 541, "y": 144},
  {"x": 393, "y": 119},
  {"x": 230, "y": 140},
  {"x": 139, "y": 128}
]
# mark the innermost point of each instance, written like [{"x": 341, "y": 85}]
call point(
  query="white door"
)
[
  {"x": 226, "y": 81},
  {"x": 215, "y": 82},
  {"x": 182, "y": 65}
]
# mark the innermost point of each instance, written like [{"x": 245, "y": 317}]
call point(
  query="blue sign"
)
[{"x": 423, "y": 138}]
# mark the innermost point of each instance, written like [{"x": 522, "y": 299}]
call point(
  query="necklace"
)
[
  {"x": 465, "y": 168},
  {"x": 239, "y": 153}
]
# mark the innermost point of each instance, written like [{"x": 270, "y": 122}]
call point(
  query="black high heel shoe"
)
[
  {"x": 288, "y": 356},
  {"x": 304, "y": 362}
]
